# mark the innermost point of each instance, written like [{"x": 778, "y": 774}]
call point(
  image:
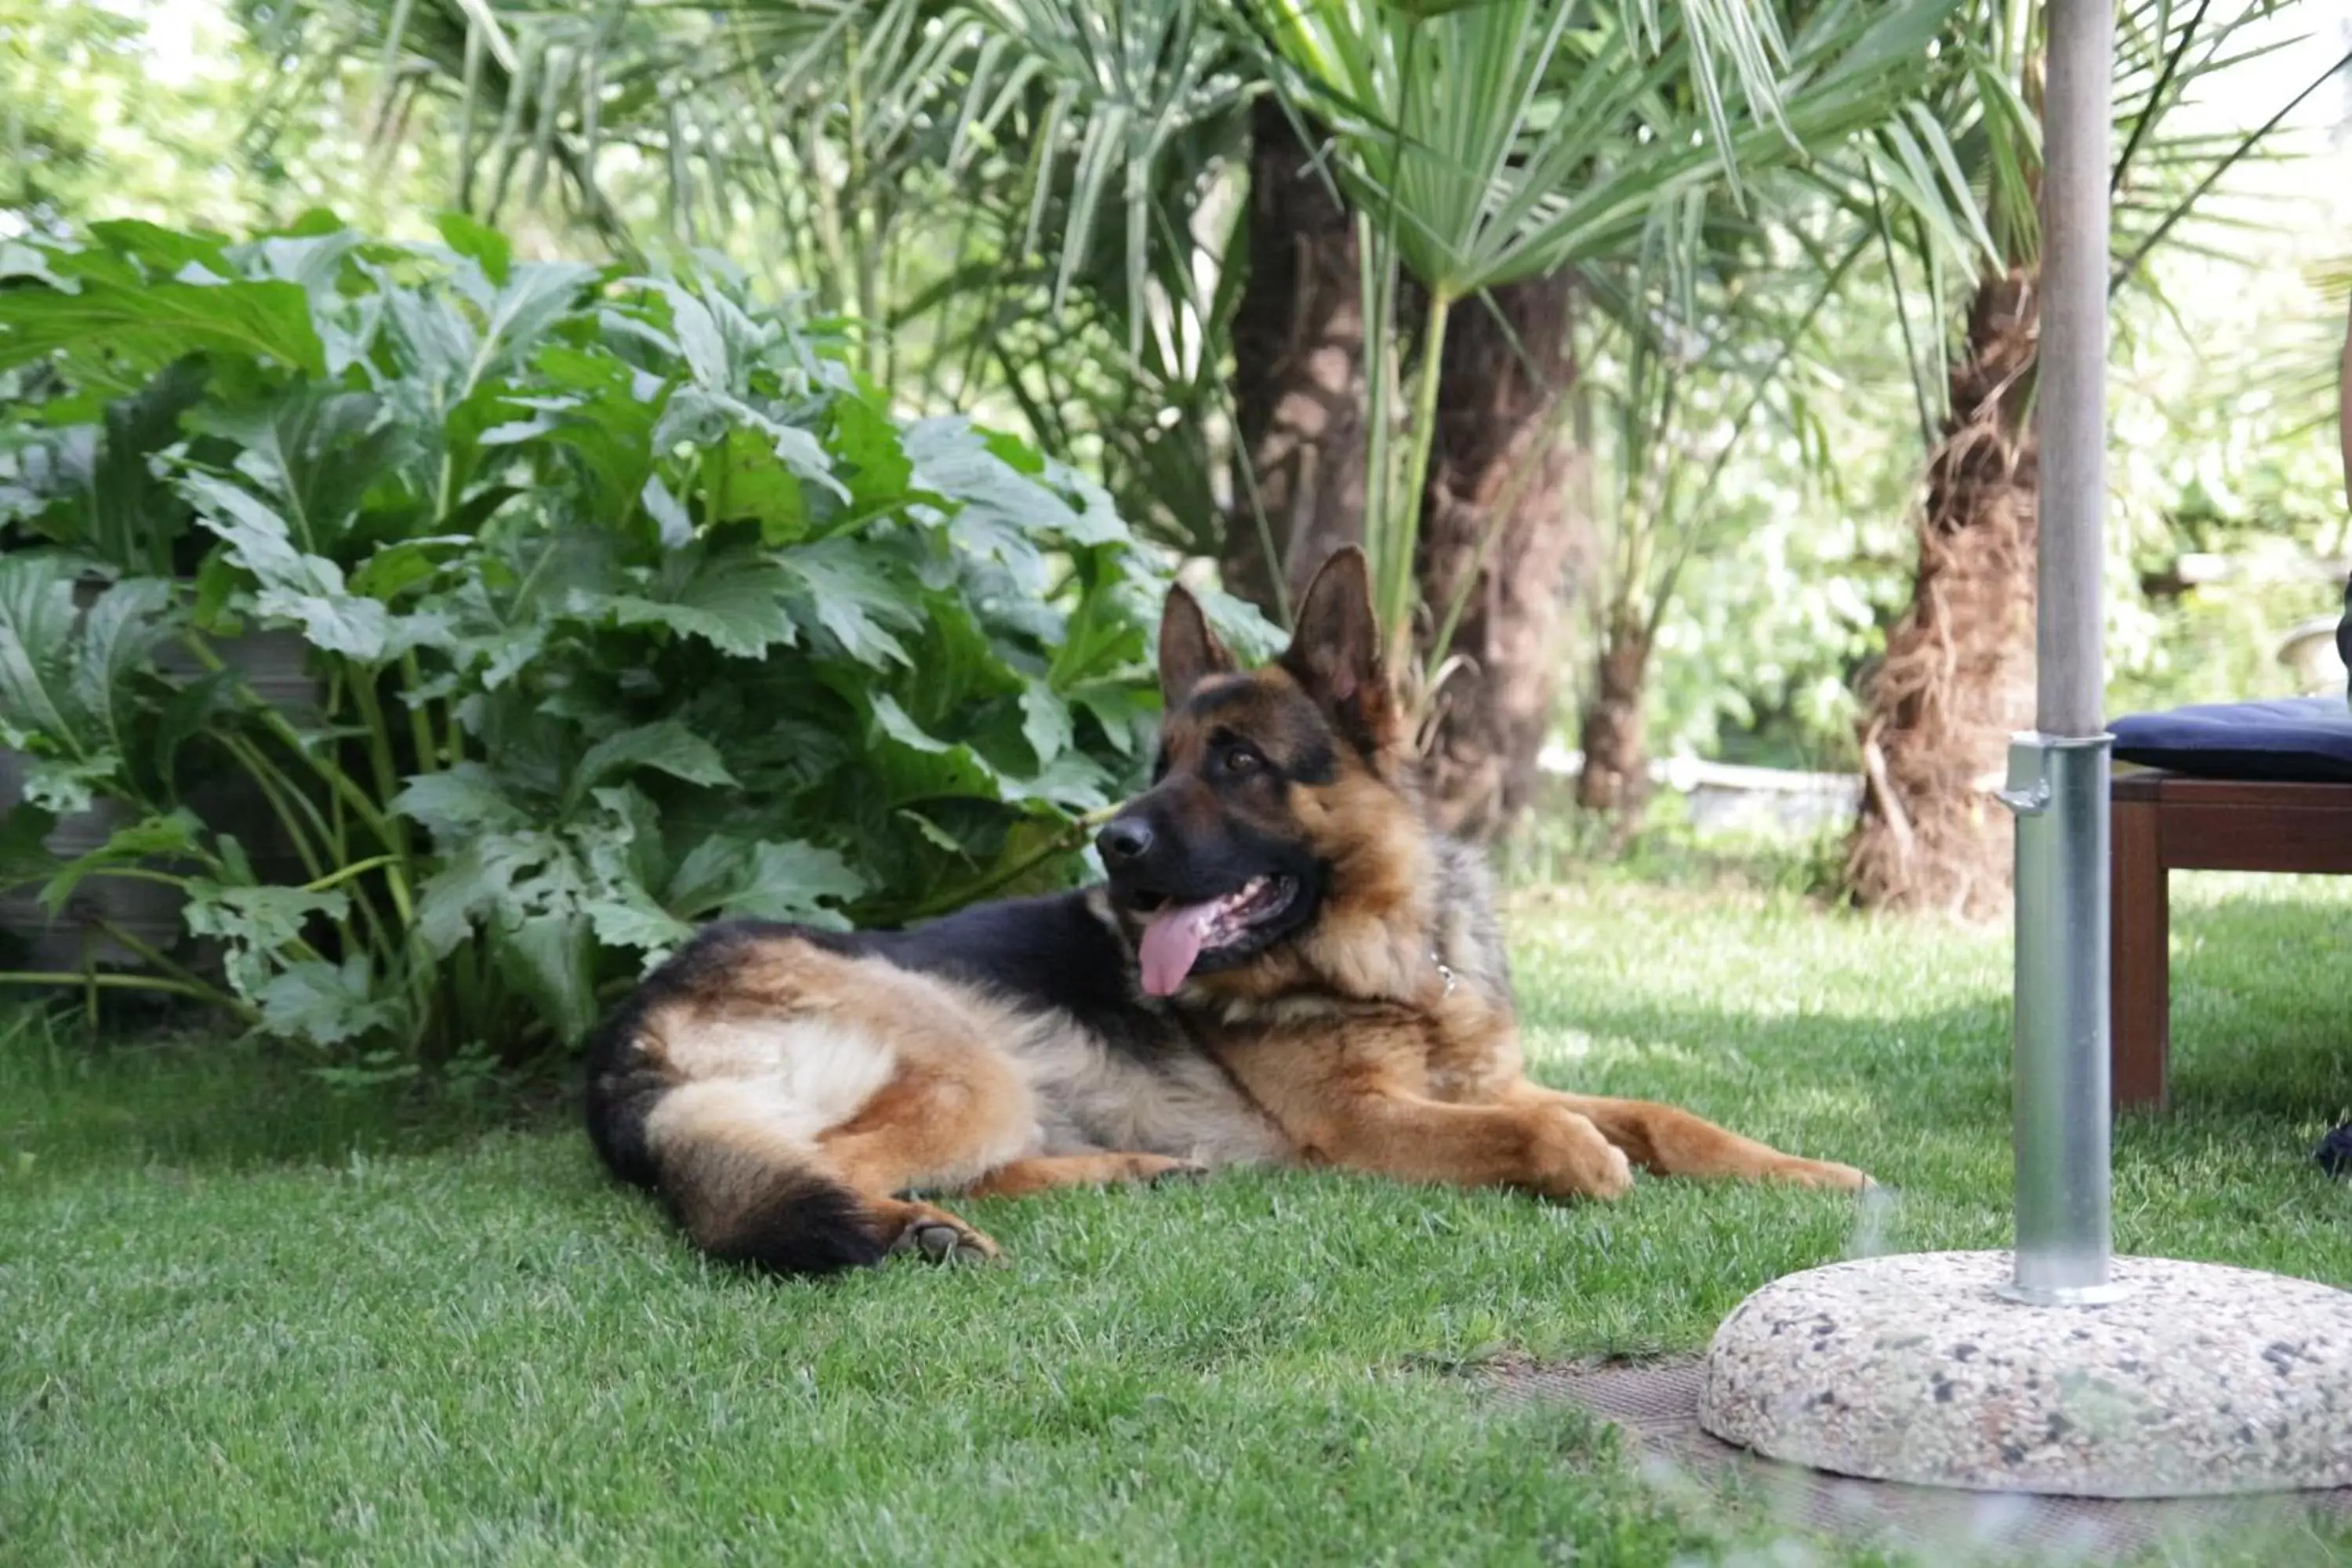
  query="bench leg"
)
[{"x": 2140, "y": 962}]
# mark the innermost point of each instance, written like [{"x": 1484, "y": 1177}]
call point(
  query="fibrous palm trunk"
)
[
  {"x": 1958, "y": 677},
  {"x": 1500, "y": 461},
  {"x": 1614, "y": 725},
  {"x": 1298, "y": 371},
  {"x": 1505, "y": 502}
]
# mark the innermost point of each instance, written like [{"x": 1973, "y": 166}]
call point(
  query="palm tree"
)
[
  {"x": 1956, "y": 679},
  {"x": 1165, "y": 231},
  {"x": 1698, "y": 360}
]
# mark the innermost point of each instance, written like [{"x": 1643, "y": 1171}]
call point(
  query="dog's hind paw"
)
[{"x": 938, "y": 1236}]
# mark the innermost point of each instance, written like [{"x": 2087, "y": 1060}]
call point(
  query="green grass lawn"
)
[{"x": 245, "y": 1319}]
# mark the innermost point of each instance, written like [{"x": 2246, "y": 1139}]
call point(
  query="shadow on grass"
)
[
  {"x": 2262, "y": 1030},
  {"x": 2261, "y": 1034},
  {"x": 1945, "y": 1064},
  {"x": 183, "y": 1099},
  {"x": 2261, "y": 1008}
]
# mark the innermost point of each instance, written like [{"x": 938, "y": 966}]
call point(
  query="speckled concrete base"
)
[{"x": 2201, "y": 1380}]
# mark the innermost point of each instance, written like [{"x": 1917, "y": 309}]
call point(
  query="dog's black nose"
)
[{"x": 1124, "y": 842}]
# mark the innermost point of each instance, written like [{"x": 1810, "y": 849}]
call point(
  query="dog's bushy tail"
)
[{"x": 745, "y": 1192}]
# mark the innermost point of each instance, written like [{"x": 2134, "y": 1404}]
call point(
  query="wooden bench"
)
[{"x": 2167, "y": 822}]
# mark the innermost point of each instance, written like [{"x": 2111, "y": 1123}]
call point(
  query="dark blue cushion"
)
[{"x": 2297, "y": 740}]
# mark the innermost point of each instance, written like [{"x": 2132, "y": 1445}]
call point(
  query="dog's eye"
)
[{"x": 1241, "y": 759}]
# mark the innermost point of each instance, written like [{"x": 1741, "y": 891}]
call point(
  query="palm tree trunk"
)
[
  {"x": 1615, "y": 727},
  {"x": 1298, "y": 371},
  {"x": 1501, "y": 467},
  {"x": 1958, "y": 677},
  {"x": 1506, "y": 532}
]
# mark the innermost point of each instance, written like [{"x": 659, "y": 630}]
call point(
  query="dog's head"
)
[{"x": 1282, "y": 800}]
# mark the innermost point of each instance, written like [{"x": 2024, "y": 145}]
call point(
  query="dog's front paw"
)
[{"x": 1570, "y": 1159}]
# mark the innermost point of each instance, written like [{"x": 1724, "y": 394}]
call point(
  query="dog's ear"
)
[
  {"x": 1335, "y": 651},
  {"x": 1189, "y": 651}
]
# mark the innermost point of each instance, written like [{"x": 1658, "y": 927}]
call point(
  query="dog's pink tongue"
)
[{"x": 1171, "y": 940}]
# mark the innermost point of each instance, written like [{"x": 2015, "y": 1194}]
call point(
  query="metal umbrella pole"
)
[
  {"x": 2055, "y": 1368},
  {"x": 2058, "y": 773}
]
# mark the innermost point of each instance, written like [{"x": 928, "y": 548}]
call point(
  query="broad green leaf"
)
[
  {"x": 65, "y": 786},
  {"x": 487, "y": 247},
  {"x": 533, "y": 300},
  {"x": 116, "y": 634},
  {"x": 736, "y": 605},
  {"x": 170, "y": 836},
  {"x": 292, "y": 586},
  {"x": 636, "y": 922},
  {"x": 1241, "y": 625},
  {"x": 18, "y": 259},
  {"x": 967, "y": 663},
  {"x": 1017, "y": 455},
  {"x": 602, "y": 412},
  {"x": 313, "y": 453},
  {"x": 793, "y": 881},
  {"x": 699, "y": 416},
  {"x": 933, "y": 832},
  {"x": 1069, "y": 782},
  {"x": 259, "y": 924},
  {"x": 458, "y": 802},
  {"x": 997, "y": 513},
  {"x": 534, "y": 297},
  {"x": 25, "y": 853},
  {"x": 849, "y": 594},
  {"x": 909, "y": 765},
  {"x": 477, "y": 885},
  {"x": 627, "y": 852},
  {"x": 163, "y": 252},
  {"x": 36, "y": 626},
  {"x": 147, "y": 327},
  {"x": 742, "y": 477},
  {"x": 395, "y": 568},
  {"x": 551, "y": 958},
  {"x": 894, "y": 721},
  {"x": 1094, "y": 520},
  {"x": 676, "y": 527},
  {"x": 1044, "y": 723},
  {"x": 715, "y": 867},
  {"x": 667, "y": 747},
  {"x": 347, "y": 623},
  {"x": 1128, "y": 717},
  {"x": 873, "y": 453},
  {"x": 315, "y": 258},
  {"x": 134, "y": 518},
  {"x": 324, "y": 1003},
  {"x": 698, "y": 335}
]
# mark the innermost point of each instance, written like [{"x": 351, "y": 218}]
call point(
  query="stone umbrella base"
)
[{"x": 2196, "y": 1380}]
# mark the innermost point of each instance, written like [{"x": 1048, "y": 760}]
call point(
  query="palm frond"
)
[{"x": 1516, "y": 137}]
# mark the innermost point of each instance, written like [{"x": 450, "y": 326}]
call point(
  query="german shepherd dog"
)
[{"x": 1287, "y": 965}]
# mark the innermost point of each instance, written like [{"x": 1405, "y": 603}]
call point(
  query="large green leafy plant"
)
[{"x": 630, "y": 604}]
